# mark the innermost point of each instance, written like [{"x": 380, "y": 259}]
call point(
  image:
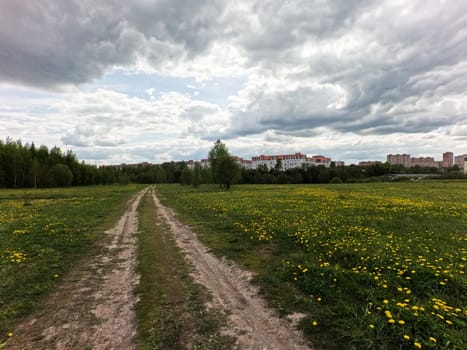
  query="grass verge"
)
[{"x": 171, "y": 312}]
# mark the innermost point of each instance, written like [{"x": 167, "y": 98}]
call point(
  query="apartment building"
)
[
  {"x": 244, "y": 163},
  {"x": 460, "y": 160},
  {"x": 409, "y": 162},
  {"x": 425, "y": 162},
  {"x": 369, "y": 163},
  {"x": 204, "y": 163},
  {"x": 399, "y": 159},
  {"x": 289, "y": 161},
  {"x": 448, "y": 159}
]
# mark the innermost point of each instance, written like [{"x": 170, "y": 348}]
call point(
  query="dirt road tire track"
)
[
  {"x": 94, "y": 306},
  {"x": 255, "y": 325}
]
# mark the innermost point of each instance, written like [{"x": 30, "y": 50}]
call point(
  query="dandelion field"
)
[
  {"x": 373, "y": 266},
  {"x": 42, "y": 234}
]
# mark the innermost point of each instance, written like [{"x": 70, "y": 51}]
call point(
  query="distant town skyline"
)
[
  {"x": 448, "y": 160},
  {"x": 146, "y": 80}
]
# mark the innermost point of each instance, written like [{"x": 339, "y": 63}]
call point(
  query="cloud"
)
[
  {"x": 105, "y": 118},
  {"x": 291, "y": 72},
  {"x": 380, "y": 67},
  {"x": 50, "y": 43}
]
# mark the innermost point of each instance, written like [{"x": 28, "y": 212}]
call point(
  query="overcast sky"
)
[{"x": 158, "y": 80}]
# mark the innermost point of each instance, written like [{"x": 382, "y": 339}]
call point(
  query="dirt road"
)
[{"x": 94, "y": 306}]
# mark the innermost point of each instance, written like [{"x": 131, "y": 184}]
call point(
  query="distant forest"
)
[{"x": 23, "y": 166}]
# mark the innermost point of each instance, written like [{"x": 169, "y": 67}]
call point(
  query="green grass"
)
[
  {"x": 171, "y": 312},
  {"x": 368, "y": 263},
  {"x": 42, "y": 234}
]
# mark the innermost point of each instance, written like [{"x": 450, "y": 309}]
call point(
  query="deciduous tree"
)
[{"x": 225, "y": 171}]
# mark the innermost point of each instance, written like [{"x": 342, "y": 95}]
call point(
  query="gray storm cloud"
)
[
  {"x": 370, "y": 67},
  {"x": 49, "y": 43}
]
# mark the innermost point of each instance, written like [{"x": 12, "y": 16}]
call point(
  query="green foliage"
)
[
  {"x": 61, "y": 175},
  {"x": 336, "y": 180},
  {"x": 186, "y": 177},
  {"x": 225, "y": 170},
  {"x": 228, "y": 171},
  {"x": 23, "y": 166},
  {"x": 196, "y": 176},
  {"x": 368, "y": 263}
]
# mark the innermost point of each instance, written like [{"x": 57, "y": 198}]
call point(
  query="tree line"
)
[{"x": 25, "y": 165}]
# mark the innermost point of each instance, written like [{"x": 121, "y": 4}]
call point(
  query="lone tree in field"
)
[{"x": 225, "y": 170}]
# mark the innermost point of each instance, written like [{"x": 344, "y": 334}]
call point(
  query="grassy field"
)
[
  {"x": 374, "y": 266},
  {"x": 42, "y": 233}
]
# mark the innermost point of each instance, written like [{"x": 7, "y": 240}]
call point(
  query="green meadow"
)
[
  {"x": 373, "y": 266},
  {"x": 43, "y": 233}
]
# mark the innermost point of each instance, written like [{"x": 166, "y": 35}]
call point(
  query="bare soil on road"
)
[{"x": 93, "y": 307}]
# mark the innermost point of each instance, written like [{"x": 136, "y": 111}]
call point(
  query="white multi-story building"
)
[
  {"x": 203, "y": 162},
  {"x": 244, "y": 163},
  {"x": 288, "y": 161}
]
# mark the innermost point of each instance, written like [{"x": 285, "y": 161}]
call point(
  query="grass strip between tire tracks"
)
[{"x": 171, "y": 312}]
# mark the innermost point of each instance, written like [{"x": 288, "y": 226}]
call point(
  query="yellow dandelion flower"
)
[
  {"x": 391, "y": 320},
  {"x": 314, "y": 323},
  {"x": 432, "y": 339},
  {"x": 417, "y": 345},
  {"x": 406, "y": 337},
  {"x": 10, "y": 334},
  {"x": 372, "y": 326},
  {"x": 401, "y": 322}
]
